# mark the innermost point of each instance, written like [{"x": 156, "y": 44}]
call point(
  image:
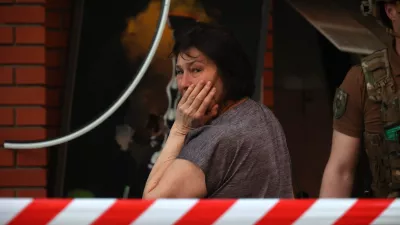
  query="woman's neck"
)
[{"x": 230, "y": 104}]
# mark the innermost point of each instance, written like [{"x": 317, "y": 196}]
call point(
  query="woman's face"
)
[{"x": 192, "y": 67}]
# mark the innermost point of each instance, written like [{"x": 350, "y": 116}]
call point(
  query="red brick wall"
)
[
  {"x": 33, "y": 41},
  {"x": 268, "y": 81}
]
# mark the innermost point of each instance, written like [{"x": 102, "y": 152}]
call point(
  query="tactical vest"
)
[{"x": 383, "y": 149}]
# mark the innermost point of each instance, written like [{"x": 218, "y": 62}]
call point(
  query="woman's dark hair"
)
[{"x": 219, "y": 45}]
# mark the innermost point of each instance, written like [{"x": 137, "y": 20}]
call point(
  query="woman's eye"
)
[
  {"x": 178, "y": 72},
  {"x": 196, "y": 70}
]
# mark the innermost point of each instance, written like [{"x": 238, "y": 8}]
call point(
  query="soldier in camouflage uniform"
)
[{"x": 366, "y": 107}]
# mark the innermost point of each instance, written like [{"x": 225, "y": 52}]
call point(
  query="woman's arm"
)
[
  {"x": 168, "y": 155},
  {"x": 172, "y": 177}
]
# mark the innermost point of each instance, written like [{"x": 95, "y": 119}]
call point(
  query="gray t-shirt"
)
[{"x": 243, "y": 154}]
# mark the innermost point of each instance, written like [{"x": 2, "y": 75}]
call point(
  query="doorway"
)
[
  {"x": 308, "y": 69},
  {"x": 115, "y": 38}
]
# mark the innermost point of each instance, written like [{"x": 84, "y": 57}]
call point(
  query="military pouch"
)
[
  {"x": 378, "y": 77},
  {"x": 392, "y": 133},
  {"x": 390, "y": 113},
  {"x": 373, "y": 145}
]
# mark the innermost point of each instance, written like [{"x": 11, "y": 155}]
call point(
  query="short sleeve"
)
[
  {"x": 200, "y": 146},
  {"x": 210, "y": 151},
  {"x": 349, "y": 112}
]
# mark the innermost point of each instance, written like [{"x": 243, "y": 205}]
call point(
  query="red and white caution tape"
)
[{"x": 193, "y": 212}]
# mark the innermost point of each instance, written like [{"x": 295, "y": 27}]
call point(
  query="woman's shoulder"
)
[
  {"x": 208, "y": 132},
  {"x": 234, "y": 125}
]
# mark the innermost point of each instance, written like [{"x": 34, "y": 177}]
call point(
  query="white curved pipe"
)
[{"x": 156, "y": 41}]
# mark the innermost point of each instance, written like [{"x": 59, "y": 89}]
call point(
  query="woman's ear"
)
[{"x": 391, "y": 11}]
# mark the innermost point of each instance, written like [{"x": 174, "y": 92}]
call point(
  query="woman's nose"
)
[{"x": 185, "y": 82}]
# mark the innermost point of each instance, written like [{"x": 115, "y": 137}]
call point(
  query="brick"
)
[
  {"x": 30, "y": 35},
  {"x": 268, "y": 78},
  {"x": 23, "y": 95},
  {"x": 34, "y": 157},
  {"x": 54, "y": 58},
  {"x": 6, "y": 76},
  {"x": 55, "y": 77},
  {"x": 37, "y": 116},
  {"x": 6, "y": 35},
  {"x": 270, "y": 41},
  {"x": 268, "y": 60},
  {"x": 32, "y": 193},
  {"x": 6, "y": 157},
  {"x": 30, "y": 75},
  {"x": 56, "y": 38},
  {"x": 22, "y": 177},
  {"x": 23, "y": 55},
  {"x": 7, "y": 193},
  {"x": 23, "y": 134},
  {"x": 22, "y": 14},
  {"x": 29, "y": 96},
  {"x": 268, "y": 98},
  {"x": 6, "y": 116},
  {"x": 53, "y": 19}
]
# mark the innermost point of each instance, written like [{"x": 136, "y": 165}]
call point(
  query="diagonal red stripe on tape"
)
[
  {"x": 286, "y": 212},
  {"x": 40, "y": 211},
  {"x": 364, "y": 211},
  {"x": 205, "y": 212},
  {"x": 123, "y": 212}
]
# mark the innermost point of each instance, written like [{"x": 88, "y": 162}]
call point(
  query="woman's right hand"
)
[{"x": 192, "y": 108}]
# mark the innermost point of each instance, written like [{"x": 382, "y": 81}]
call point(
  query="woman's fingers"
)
[
  {"x": 201, "y": 97},
  {"x": 186, "y": 94},
  {"x": 206, "y": 101},
  {"x": 197, "y": 89},
  {"x": 197, "y": 99},
  {"x": 211, "y": 114},
  {"x": 214, "y": 110}
]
